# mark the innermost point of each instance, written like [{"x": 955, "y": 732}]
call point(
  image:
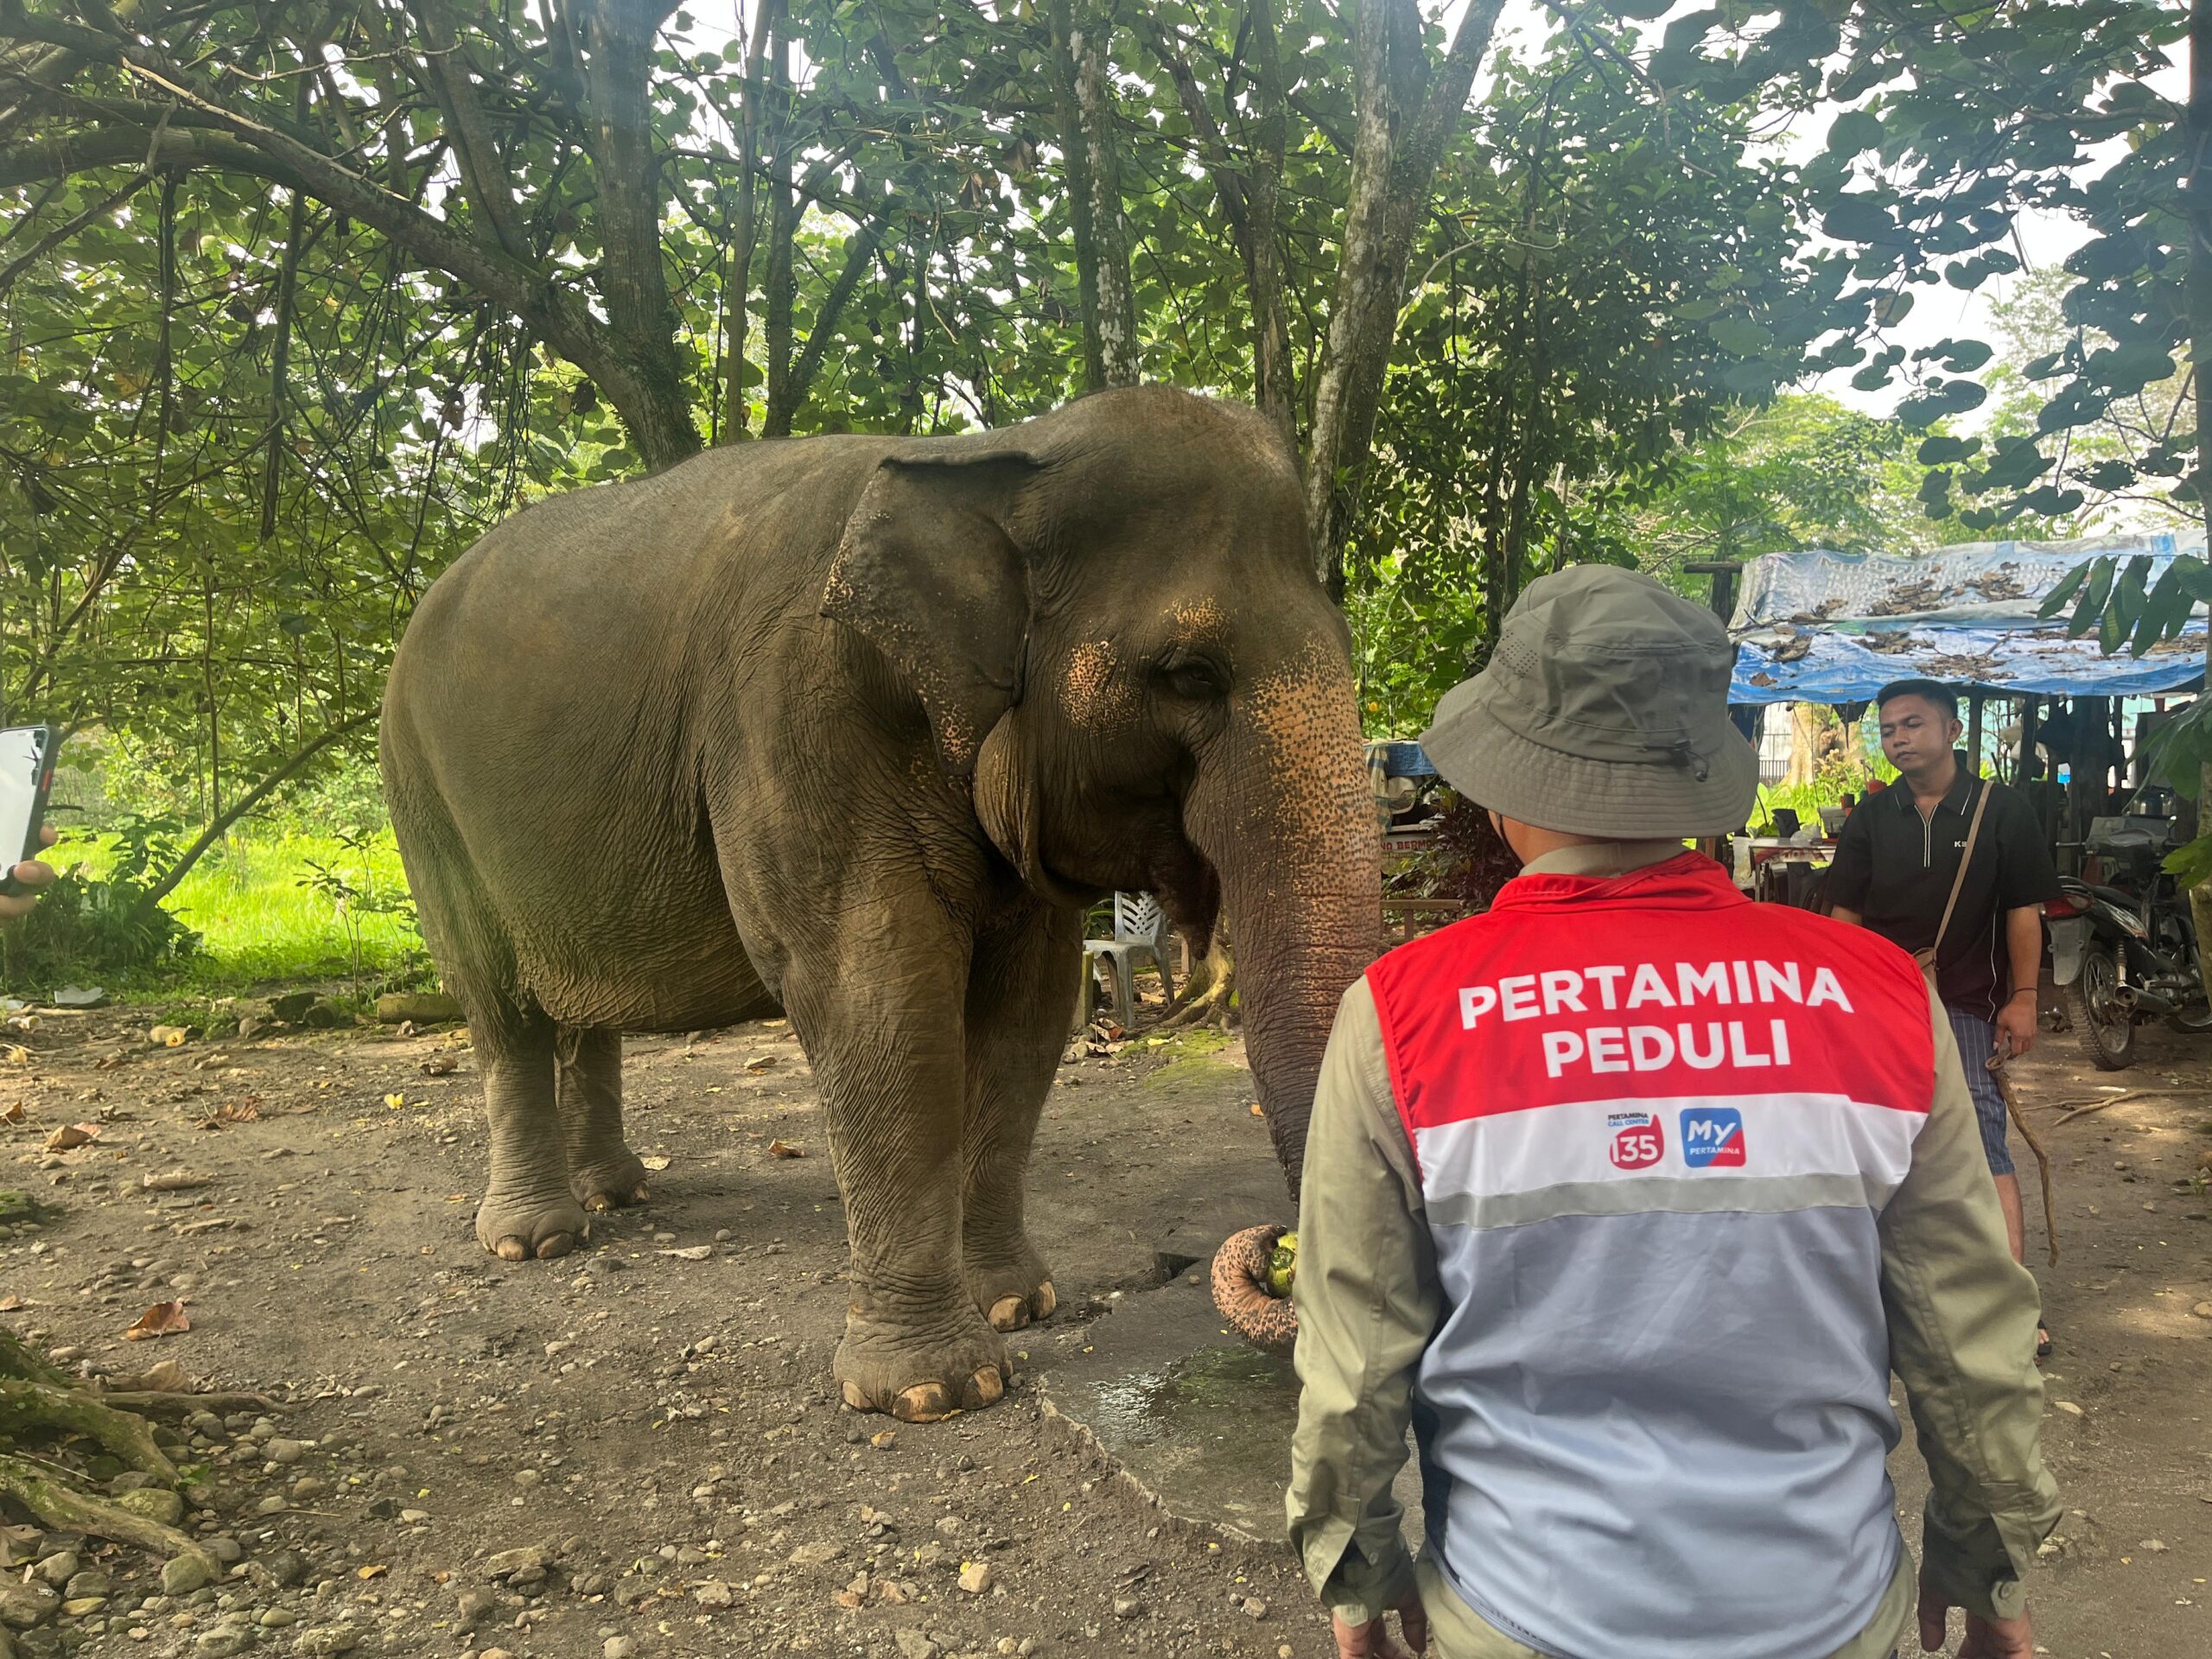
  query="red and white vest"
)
[{"x": 1656, "y": 1127}]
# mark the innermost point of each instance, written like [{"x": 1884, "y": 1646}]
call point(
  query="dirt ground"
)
[{"x": 637, "y": 1450}]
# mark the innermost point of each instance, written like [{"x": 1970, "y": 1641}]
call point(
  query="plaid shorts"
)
[{"x": 1977, "y": 1042}]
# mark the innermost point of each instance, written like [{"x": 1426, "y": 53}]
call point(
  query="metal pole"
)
[{"x": 1973, "y": 733}]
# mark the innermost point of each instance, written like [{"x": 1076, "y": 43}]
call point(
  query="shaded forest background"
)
[{"x": 295, "y": 299}]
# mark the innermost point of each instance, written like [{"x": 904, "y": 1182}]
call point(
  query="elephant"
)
[{"x": 854, "y": 729}]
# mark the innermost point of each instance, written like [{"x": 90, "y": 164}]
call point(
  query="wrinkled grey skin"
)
[{"x": 855, "y": 727}]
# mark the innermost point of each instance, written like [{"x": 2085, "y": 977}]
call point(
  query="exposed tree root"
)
[
  {"x": 61, "y": 1509},
  {"x": 36, "y": 1396},
  {"x": 25, "y": 1406},
  {"x": 1210, "y": 997}
]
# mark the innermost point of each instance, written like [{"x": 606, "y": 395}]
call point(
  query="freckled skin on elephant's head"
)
[{"x": 1188, "y": 726}]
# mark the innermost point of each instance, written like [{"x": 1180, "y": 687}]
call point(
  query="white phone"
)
[{"x": 26, "y": 775}]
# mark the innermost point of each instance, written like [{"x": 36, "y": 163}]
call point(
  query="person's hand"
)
[
  {"x": 1986, "y": 1638},
  {"x": 33, "y": 874},
  {"x": 2016, "y": 1024},
  {"x": 1372, "y": 1640}
]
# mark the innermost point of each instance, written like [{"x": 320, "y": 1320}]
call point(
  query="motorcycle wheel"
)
[
  {"x": 2193, "y": 1022},
  {"x": 2107, "y": 1034}
]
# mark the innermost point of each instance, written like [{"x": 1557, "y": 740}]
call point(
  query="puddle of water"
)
[{"x": 1212, "y": 1429}]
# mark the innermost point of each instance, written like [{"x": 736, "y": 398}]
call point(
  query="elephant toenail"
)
[
  {"x": 1046, "y": 1300},
  {"x": 558, "y": 1244},
  {"x": 925, "y": 1402},
  {"x": 599, "y": 1203},
  {"x": 1009, "y": 1313},
  {"x": 512, "y": 1248},
  {"x": 641, "y": 1194},
  {"x": 854, "y": 1397},
  {"x": 986, "y": 1386}
]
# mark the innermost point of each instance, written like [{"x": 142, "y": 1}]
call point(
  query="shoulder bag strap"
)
[{"x": 1927, "y": 957}]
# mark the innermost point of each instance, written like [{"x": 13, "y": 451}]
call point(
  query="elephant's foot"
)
[
  {"x": 516, "y": 1229},
  {"x": 920, "y": 1379},
  {"x": 1013, "y": 1287},
  {"x": 613, "y": 1183}
]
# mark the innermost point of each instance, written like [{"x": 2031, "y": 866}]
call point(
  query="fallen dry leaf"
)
[
  {"x": 162, "y": 1320},
  {"x": 1258, "y": 1110},
  {"x": 395, "y": 1101},
  {"x": 785, "y": 1149},
  {"x": 656, "y": 1162},
  {"x": 167, "y": 1377},
  {"x": 440, "y": 1065},
  {"x": 12, "y": 1303},
  {"x": 376, "y": 1571},
  {"x": 176, "y": 1180},
  {"x": 223, "y": 1116},
  {"x": 760, "y": 1064},
  {"x": 73, "y": 1135},
  {"x": 15, "y": 1054},
  {"x": 12, "y": 1112}
]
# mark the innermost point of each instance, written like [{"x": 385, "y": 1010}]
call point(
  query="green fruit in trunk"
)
[{"x": 1282, "y": 1265}]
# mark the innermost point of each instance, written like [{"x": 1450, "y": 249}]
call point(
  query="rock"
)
[
  {"x": 2202, "y": 1310},
  {"x": 1254, "y": 1607},
  {"x": 2068, "y": 1408},
  {"x": 285, "y": 1567},
  {"x": 79, "y": 1606},
  {"x": 916, "y": 1644},
  {"x": 714, "y": 1595},
  {"x": 222, "y": 1641},
  {"x": 328, "y": 1641},
  {"x": 283, "y": 1451},
  {"x": 307, "y": 1488},
  {"x": 619, "y": 1647},
  {"x": 277, "y": 1619},
  {"x": 475, "y": 1606},
  {"x": 819, "y": 1554},
  {"x": 975, "y": 1578},
  {"x": 325, "y": 1013},
  {"x": 510, "y": 1561},
  {"x": 495, "y": 1653},
  {"x": 424, "y": 1007},
  {"x": 182, "y": 1574},
  {"x": 58, "y": 1569},
  {"x": 154, "y": 1502},
  {"x": 1127, "y": 1607},
  {"x": 91, "y": 1582},
  {"x": 413, "y": 1517},
  {"x": 2152, "y": 1546},
  {"x": 271, "y": 1505}
]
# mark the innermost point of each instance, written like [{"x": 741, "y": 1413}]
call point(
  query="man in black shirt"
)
[{"x": 1895, "y": 862}]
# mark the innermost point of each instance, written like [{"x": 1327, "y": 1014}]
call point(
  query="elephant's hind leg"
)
[
  {"x": 528, "y": 1210},
  {"x": 603, "y": 1172}
]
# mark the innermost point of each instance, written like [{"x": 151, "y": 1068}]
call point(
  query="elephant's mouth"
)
[{"x": 1189, "y": 889}]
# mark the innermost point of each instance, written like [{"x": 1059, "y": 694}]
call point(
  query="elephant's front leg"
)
[
  {"x": 603, "y": 1172},
  {"x": 882, "y": 1021},
  {"x": 1021, "y": 997}
]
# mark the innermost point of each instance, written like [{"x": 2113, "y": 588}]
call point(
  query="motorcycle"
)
[{"x": 2125, "y": 952}]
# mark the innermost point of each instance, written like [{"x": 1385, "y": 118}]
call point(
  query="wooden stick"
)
[
  {"x": 2042, "y": 1158},
  {"x": 2087, "y": 1107}
]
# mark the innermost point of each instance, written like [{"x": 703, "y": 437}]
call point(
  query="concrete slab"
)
[{"x": 1199, "y": 1418}]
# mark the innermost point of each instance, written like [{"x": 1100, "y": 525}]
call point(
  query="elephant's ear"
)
[{"x": 929, "y": 573}]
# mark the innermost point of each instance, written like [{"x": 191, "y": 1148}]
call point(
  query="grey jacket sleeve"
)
[
  {"x": 1368, "y": 1301},
  {"x": 1962, "y": 1332}
]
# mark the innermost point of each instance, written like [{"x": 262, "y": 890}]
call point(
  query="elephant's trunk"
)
[{"x": 1284, "y": 812}]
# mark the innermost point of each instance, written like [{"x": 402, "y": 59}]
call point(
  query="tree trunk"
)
[
  {"x": 737, "y": 284},
  {"x": 1092, "y": 168},
  {"x": 1403, "y": 120},
  {"x": 618, "y": 38},
  {"x": 780, "y": 288},
  {"x": 1274, "y": 372}
]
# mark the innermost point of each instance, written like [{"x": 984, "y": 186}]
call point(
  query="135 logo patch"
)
[
  {"x": 1713, "y": 1137},
  {"x": 1639, "y": 1139}
]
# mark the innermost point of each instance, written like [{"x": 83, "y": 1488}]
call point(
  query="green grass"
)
[{"x": 258, "y": 922}]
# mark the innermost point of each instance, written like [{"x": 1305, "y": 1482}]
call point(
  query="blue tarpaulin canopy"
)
[{"x": 1819, "y": 626}]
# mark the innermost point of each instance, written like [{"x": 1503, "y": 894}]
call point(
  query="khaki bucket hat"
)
[{"x": 1603, "y": 712}]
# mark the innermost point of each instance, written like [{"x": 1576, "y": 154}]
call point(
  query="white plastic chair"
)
[{"x": 1141, "y": 929}]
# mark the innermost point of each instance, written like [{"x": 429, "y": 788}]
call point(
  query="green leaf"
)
[
  {"x": 1739, "y": 336},
  {"x": 1859, "y": 219},
  {"x": 1939, "y": 448},
  {"x": 1853, "y": 131},
  {"x": 2091, "y": 606}
]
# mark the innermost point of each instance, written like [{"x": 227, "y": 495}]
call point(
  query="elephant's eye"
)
[{"x": 1189, "y": 674}]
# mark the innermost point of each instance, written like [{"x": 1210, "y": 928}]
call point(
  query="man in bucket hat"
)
[{"x": 1628, "y": 1195}]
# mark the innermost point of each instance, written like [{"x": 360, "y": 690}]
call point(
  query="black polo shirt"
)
[{"x": 1894, "y": 868}]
